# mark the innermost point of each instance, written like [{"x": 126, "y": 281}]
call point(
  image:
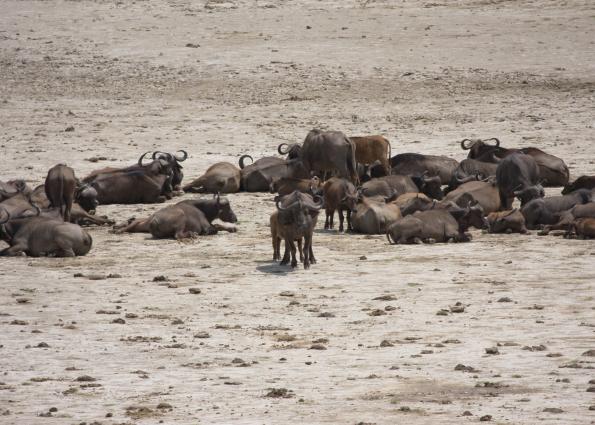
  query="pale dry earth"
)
[{"x": 425, "y": 74}]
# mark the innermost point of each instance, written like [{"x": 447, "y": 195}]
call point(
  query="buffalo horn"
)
[
  {"x": 242, "y": 160},
  {"x": 140, "y": 160},
  {"x": 464, "y": 146},
  {"x": 182, "y": 158},
  {"x": 280, "y": 150},
  {"x": 494, "y": 138}
]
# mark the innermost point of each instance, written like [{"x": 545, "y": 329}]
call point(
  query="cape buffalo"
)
[
  {"x": 583, "y": 182},
  {"x": 411, "y": 202},
  {"x": 371, "y": 171},
  {"x": 373, "y": 215},
  {"x": 221, "y": 177},
  {"x": 568, "y": 217},
  {"x": 258, "y": 176},
  {"x": 339, "y": 195},
  {"x": 436, "y": 225},
  {"x": 174, "y": 160},
  {"x": 511, "y": 221},
  {"x": 517, "y": 175},
  {"x": 486, "y": 193},
  {"x": 43, "y": 236},
  {"x": 185, "y": 219},
  {"x": 140, "y": 183},
  {"x": 584, "y": 227},
  {"x": 286, "y": 185},
  {"x": 296, "y": 218},
  {"x": 552, "y": 170},
  {"x": 328, "y": 151},
  {"x": 547, "y": 210},
  {"x": 60, "y": 185},
  {"x": 414, "y": 164},
  {"x": 469, "y": 170},
  {"x": 12, "y": 188},
  {"x": 369, "y": 149},
  {"x": 19, "y": 206}
]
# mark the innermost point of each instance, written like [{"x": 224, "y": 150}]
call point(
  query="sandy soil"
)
[{"x": 261, "y": 343}]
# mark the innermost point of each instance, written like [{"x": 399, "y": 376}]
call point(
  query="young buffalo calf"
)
[
  {"x": 584, "y": 228},
  {"x": 339, "y": 195},
  {"x": 185, "y": 219},
  {"x": 511, "y": 221}
]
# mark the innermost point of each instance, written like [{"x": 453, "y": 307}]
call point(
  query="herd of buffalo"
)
[{"x": 410, "y": 197}]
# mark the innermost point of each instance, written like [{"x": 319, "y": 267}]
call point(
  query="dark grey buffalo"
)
[
  {"x": 400, "y": 184},
  {"x": 471, "y": 169},
  {"x": 185, "y": 219},
  {"x": 329, "y": 151},
  {"x": 517, "y": 175},
  {"x": 12, "y": 188},
  {"x": 60, "y": 186},
  {"x": 174, "y": 160},
  {"x": 552, "y": 170},
  {"x": 258, "y": 176},
  {"x": 415, "y": 164},
  {"x": 583, "y": 182},
  {"x": 437, "y": 225},
  {"x": 43, "y": 236},
  {"x": 568, "y": 217},
  {"x": 542, "y": 211}
]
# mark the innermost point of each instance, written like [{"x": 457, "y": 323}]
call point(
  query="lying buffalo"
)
[
  {"x": 485, "y": 193},
  {"x": 400, "y": 184},
  {"x": 221, "y": 177},
  {"x": 339, "y": 195},
  {"x": 185, "y": 219},
  {"x": 174, "y": 160},
  {"x": 414, "y": 164},
  {"x": 286, "y": 185},
  {"x": 43, "y": 236},
  {"x": 12, "y": 188},
  {"x": 141, "y": 183},
  {"x": 548, "y": 210},
  {"x": 511, "y": 221},
  {"x": 583, "y": 182},
  {"x": 517, "y": 175},
  {"x": 258, "y": 176},
  {"x": 436, "y": 225},
  {"x": 552, "y": 170},
  {"x": 367, "y": 172},
  {"x": 471, "y": 169},
  {"x": 295, "y": 219},
  {"x": 409, "y": 203},
  {"x": 19, "y": 206},
  {"x": 374, "y": 215},
  {"x": 568, "y": 217},
  {"x": 584, "y": 228}
]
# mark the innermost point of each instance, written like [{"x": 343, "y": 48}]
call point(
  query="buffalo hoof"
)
[
  {"x": 540, "y": 233},
  {"x": 306, "y": 266},
  {"x": 284, "y": 262},
  {"x": 431, "y": 241},
  {"x": 508, "y": 231},
  {"x": 294, "y": 264},
  {"x": 417, "y": 241}
]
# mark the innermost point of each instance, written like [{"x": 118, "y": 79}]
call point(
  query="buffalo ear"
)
[{"x": 392, "y": 197}]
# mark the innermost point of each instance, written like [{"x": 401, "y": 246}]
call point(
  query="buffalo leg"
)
[
  {"x": 13, "y": 251},
  {"x": 300, "y": 249},
  {"x": 293, "y": 252},
  {"x": 285, "y": 259},
  {"x": 349, "y": 226},
  {"x": 228, "y": 227},
  {"x": 135, "y": 226},
  {"x": 341, "y": 219},
  {"x": 276, "y": 248},
  {"x": 307, "y": 245},
  {"x": 312, "y": 259}
]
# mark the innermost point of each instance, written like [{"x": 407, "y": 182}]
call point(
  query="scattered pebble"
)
[{"x": 194, "y": 290}]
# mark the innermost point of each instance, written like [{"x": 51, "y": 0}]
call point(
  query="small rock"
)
[
  {"x": 492, "y": 350},
  {"x": 194, "y": 290},
  {"x": 504, "y": 300},
  {"x": 385, "y": 298},
  {"x": 442, "y": 312},
  {"x": 287, "y": 294},
  {"x": 69, "y": 128},
  {"x": 193, "y": 45},
  {"x": 363, "y": 257},
  {"x": 591, "y": 390},
  {"x": 553, "y": 410},
  {"x": 53, "y": 409},
  {"x": 485, "y": 418},
  {"x": 23, "y": 300},
  {"x": 467, "y": 413},
  {"x": 590, "y": 353},
  {"x": 326, "y": 314},
  {"x": 160, "y": 278},
  {"x": 457, "y": 308},
  {"x": 377, "y": 312},
  {"x": 131, "y": 316},
  {"x": 317, "y": 347},
  {"x": 279, "y": 393},
  {"x": 202, "y": 335},
  {"x": 42, "y": 345},
  {"x": 164, "y": 406},
  {"x": 386, "y": 343},
  {"x": 85, "y": 378},
  {"x": 119, "y": 321}
]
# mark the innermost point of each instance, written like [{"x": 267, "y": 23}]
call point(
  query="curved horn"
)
[
  {"x": 242, "y": 160},
  {"x": 494, "y": 138},
  {"x": 281, "y": 151},
  {"x": 140, "y": 160},
  {"x": 278, "y": 205},
  {"x": 182, "y": 158},
  {"x": 464, "y": 146},
  {"x": 313, "y": 205},
  {"x": 465, "y": 179}
]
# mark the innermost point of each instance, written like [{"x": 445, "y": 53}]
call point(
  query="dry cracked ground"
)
[{"x": 154, "y": 331}]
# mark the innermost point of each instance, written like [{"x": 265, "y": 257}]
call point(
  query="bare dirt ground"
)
[{"x": 357, "y": 338}]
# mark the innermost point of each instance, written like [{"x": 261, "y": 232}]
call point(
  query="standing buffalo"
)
[
  {"x": 369, "y": 149},
  {"x": 329, "y": 151},
  {"x": 295, "y": 219},
  {"x": 185, "y": 219},
  {"x": 60, "y": 185},
  {"x": 221, "y": 177},
  {"x": 43, "y": 236},
  {"x": 517, "y": 175},
  {"x": 414, "y": 164},
  {"x": 552, "y": 170},
  {"x": 437, "y": 225},
  {"x": 339, "y": 195}
]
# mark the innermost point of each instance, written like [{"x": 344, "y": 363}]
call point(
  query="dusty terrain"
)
[{"x": 104, "y": 339}]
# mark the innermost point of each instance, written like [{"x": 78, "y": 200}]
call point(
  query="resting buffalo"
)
[
  {"x": 60, "y": 185},
  {"x": 339, "y": 195},
  {"x": 12, "y": 188},
  {"x": 78, "y": 215},
  {"x": 471, "y": 169},
  {"x": 174, "y": 160},
  {"x": 140, "y": 183},
  {"x": 583, "y": 182},
  {"x": 485, "y": 193},
  {"x": 295, "y": 219},
  {"x": 552, "y": 170},
  {"x": 511, "y": 221},
  {"x": 258, "y": 176},
  {"x": 185, "y": 219},
  {"x": 436, "y": 225},
  {"x": 409, "y": 203},
  {"x": 286, "y": 185},
  {"x": 547, "y": 210},
  {"x": 568, "y": 217},
  {"x": 517, "y": 175},
  {"x": 373, "y": 215},
  {"x": 369, "y": 149},
  {"x": 371, "y": 171},
  {"x": 43, "y": 236},
  {"x": 399, "y": 184},
  {"x": 19, "y": 206},
  {"x": 329, "y": 151},
  {"x": 414, "y": 164},
  {"x": 221, "y": 177},
  {"x": 292, "y": 151},
  {"x": 584, "y": 228}
]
